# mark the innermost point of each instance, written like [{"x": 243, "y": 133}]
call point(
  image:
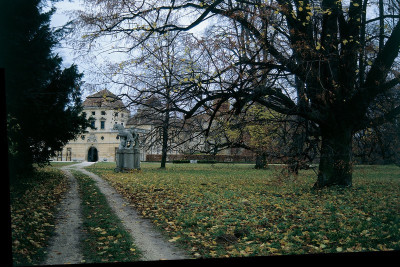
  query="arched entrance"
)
[{"x": 92, "y": 154}]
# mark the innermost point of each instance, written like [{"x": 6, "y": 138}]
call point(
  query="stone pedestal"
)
[
  {"x": 127, "y": 159},
  {"x": 136, "y": 159}
]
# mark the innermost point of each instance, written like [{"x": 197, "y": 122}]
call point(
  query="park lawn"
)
[
  {"x": 60, "y": 164},
  {"x": 33, "y": 203},
  {"x": 233, "y": 210}
]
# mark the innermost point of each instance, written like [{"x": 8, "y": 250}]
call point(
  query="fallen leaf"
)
[{"x": 174, "y": 239}]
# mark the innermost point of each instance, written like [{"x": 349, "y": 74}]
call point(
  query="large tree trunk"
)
[{"x": 335, "y": 167}]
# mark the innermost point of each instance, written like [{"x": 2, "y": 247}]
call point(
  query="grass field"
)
[
  {"x": 233, "y": 210},
  {"x": 220, "y": 210}
]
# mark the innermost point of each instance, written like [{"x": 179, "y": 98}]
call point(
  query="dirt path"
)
[
  {"x": 64, "y": 248},
  {"x": 146, "y": 237}
]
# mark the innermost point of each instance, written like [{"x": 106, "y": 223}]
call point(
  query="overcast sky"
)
[{"x": 60, "y": 18}]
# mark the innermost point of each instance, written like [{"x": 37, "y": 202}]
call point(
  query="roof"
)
[{"x": 104, "y": 98}]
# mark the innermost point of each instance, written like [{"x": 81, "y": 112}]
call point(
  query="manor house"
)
[{"x": 100, "y": 143}]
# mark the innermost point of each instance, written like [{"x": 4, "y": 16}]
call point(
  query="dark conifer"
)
[{"x": 43, "y": 101}]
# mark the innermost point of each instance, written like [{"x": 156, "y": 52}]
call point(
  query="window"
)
[
  {"x": 92, "y": 124},
  {"x": 93, "y": 112},
  {"x": 103, "y": 112},
  {"x": 116, "y": 114},
  {"x": 102, "y": 125}
]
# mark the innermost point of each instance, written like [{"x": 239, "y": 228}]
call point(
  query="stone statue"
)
[
  {"x": 128, "y": 137},
  {"x": 128, "y": 154}
]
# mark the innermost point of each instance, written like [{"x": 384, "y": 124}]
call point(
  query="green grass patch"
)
[
  {"x": 105, "y": 239},
  {"x": 233, "y": 210},
  {"x": 33, "y": 202},
  {"x": 57, "y": 164}
]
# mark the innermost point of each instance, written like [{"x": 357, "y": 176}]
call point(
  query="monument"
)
[{"x": 128, "y": 153}]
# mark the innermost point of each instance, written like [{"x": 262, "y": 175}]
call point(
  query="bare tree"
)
[
  {"x": 158, "y": 73},
  {"x": 325, "y": 44}
]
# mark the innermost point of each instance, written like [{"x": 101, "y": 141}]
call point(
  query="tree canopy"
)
[{"x": 331, "y": 62}]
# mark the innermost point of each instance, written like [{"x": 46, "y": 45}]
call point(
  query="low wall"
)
[{"x": 218, "y": 158}]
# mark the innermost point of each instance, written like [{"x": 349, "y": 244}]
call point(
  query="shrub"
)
[{"x": 181, "y": 161}]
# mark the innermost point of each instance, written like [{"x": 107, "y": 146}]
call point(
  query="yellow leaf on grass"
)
[{"x": 174, "y": 239}]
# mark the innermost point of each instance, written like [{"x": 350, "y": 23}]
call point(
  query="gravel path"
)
[{"x": 64, "y": 248}]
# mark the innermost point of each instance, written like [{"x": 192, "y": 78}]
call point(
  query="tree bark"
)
[
  {"x": 164, "y": 145},
  {"x": 335, "y": 167},
  {"x": 261, "y": 161},
  {"x": 164, "y": 148}
]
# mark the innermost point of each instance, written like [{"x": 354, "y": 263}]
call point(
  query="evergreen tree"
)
[{"x": 43, "y": 101}]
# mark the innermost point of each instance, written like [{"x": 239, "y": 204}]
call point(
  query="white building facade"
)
[{"x": 100, "y": 143}]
